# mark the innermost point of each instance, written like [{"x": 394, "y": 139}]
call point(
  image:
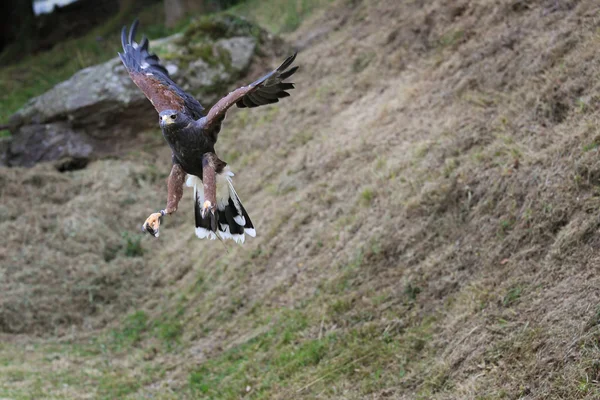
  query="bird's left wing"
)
[
  {"x": 153, "y": 79},
  {"x": 266, "y": 90}
]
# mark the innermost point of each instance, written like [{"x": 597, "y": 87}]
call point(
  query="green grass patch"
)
[
  {"x": 512, "y": 296},
  {"x": 591, "y": 146},
  {"x": 367, "y": 196},
  {"x": 135, "y": 325},
  {"x": 32, "y": 373},
  {"x": 117, "y": 386},
  {"x": 133, "y": 245},
  {"x": 296, "y": 353},
  {"x": 504, "y": 227},
  {"x": 169, "y": 331},
  {"x": 287, "y": 361},
  {"x": 131, "y": 333}
]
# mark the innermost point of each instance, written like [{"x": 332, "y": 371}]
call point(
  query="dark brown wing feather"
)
[
  {"x": 266, "y": 90},
  {"x": 153, "y": 79}
]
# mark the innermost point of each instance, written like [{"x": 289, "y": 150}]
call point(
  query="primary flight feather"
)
[{"x": 192, "y": 137}]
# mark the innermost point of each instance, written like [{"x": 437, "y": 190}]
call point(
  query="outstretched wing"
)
[
  {"x": 153, "y": 79},
  {"x": 266, "y": 90}
]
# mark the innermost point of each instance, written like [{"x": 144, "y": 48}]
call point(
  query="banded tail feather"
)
[{"x": 230, "y": 220}]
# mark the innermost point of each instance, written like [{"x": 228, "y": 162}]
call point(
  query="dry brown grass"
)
[{"x": 426, "y": 214}]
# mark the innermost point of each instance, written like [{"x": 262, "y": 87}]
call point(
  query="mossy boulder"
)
[{"x": 214, "y": 52}]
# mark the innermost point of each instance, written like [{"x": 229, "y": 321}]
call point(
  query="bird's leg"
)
[
  {"x": 174, "y": 193},
  {"x": 209, "y": 182}
]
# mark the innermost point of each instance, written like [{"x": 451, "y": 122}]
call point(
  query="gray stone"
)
[
  {"x": 241, "y": 49},
  {"x": 47, "y": 142},
  {"x": 98, "y": 89},
  {"x": 208, "y": 81}
]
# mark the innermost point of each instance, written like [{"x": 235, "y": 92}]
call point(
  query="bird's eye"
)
[{"x": 173, "y": 116}]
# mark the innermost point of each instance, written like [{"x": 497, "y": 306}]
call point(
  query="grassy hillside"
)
[{"x": 426, "y": 209}]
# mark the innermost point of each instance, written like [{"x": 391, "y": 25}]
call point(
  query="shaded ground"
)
[{"x": 426, "y": 208}]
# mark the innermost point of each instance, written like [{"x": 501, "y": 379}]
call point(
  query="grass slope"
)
[{"x": 426, "y": 213}]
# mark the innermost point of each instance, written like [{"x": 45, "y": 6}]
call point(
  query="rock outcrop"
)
[
  {"x": 99, "y": 108},
  {"x": 46, "y": 142}
]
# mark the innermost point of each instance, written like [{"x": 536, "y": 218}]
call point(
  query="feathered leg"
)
[
  {"x": 209, "y": 182},
  {"x": 174, "y": 193}
]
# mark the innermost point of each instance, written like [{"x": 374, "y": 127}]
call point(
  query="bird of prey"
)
[{"x": 192, "y": 137}]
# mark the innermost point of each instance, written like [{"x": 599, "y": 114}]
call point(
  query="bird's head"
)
[{"x": 172, "y": 119}]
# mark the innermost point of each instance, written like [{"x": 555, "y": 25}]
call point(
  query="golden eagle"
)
[{"x": 192, "y": 137}]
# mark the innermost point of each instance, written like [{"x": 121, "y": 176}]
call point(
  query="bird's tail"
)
[{"x": 230, "y": 220}]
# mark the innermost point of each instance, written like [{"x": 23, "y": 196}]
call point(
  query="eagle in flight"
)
[{"x": 192, "y": 137}]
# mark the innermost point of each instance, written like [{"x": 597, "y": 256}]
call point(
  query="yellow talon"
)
[
  {"x": 205, "y": 207},
  {"x": 152, "y": 224}
]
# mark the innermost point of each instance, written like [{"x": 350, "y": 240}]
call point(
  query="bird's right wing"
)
[{"x": 153, "y": 79}]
